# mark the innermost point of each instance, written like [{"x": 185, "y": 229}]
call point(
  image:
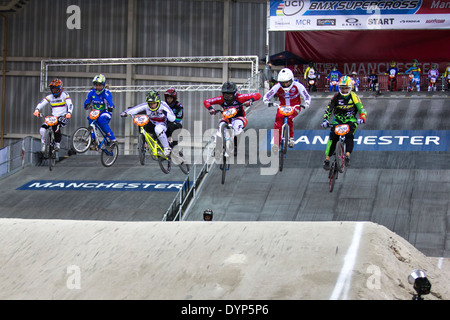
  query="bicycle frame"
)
[
  {"x": 95, "y": 128},
  {"x": 338, "y": 164},
  {"x": 286, "y": 111},
  {"x": 153, "y": 144},
  {"x": 50, "y": 152},
  {"x": 141, "y": 121},
  {"x": 227, "y": 114}
]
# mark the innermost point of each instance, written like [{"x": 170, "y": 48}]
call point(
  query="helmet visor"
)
[{"x": 55, "y": 90}]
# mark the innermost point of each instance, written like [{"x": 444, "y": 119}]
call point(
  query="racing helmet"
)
[
  {"x": 152, "y": 98},
  {"x": 56, "y": 87},
  {"x": 286, "y": 79},
  {"x": 229, "y": 90},
  {"x": 345, "y": 85},
  {"x": 171, "y": 92},
  {"x": 208, "y": 215},
  {"x": 101, "y": 80}
]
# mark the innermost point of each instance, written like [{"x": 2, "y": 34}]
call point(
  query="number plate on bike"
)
[
  {"x": 229, "y": 113},
  {"x": 94, "y": 114},
  {"x": 141, "y": 120},
  {"x": 286, "y": 110},
  {"x": 342, "y": 129},
  {"x": 51, "y": 120}
]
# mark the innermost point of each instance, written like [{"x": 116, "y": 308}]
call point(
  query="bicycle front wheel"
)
[
  {"x": 332, "y": 175},
  {"x": 340, "y": 156},
  {"x": 81, "y": 140},
  {"x": 141, "y": 148},
  {"x": 224, "y": 157},
  {"x": 285, "y": 138},
  {"x": 283, "y": 147},
  {"x": 50, "y": 149},
  {"x": 109, "y": 154}
]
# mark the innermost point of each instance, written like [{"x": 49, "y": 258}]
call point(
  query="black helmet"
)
[
  {"x": 208, "y": 215},
  {"x": 229, "y": 90}
]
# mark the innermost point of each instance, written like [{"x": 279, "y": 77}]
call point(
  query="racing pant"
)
[
  {"x": 159, "y": 130},
  {"x": 334, "y": 138},
  {"x": 103, "y": 121}
]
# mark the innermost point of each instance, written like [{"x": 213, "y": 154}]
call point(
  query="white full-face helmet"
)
[{"x": 286, "y": 79}]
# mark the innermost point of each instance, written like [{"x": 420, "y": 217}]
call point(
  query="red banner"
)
[{"x": 431, "y": 46}]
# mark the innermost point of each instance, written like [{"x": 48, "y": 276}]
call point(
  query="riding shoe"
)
[
  {"x": 291, "y": 142},
  {"x": 347, "y": 161},
  {"x": 326, "y": 165},
  {"x": 167, "y": 152}
]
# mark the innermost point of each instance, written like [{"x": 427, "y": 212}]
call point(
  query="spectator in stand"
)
[
  {"x": 447, "y": 76},
  {"x": 414, "y": 73},
  {"x": 355, "y": 80},
  {"x": 311, "y": 75},
  {"x": 373, "y": 81},
  {"x": 392, "y": 72},
  {"x": 333, "y": 79},
  {"x": 433, "y": 76}
]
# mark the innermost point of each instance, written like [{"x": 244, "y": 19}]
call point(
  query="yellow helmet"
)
[{"x": 345, "y": 83}]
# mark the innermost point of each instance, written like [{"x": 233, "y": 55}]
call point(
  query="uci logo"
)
[{"x": 292, "y": 7}]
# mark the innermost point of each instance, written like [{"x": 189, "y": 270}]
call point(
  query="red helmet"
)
[
  {"x": 171, "y": 92},
  {"x": 56, "y": 87}
]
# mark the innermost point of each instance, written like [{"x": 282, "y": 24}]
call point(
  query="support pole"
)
[
  {"x": 130, "y": 76},
  {"x": 5, "y": 42},
  {"x": 226, "y": 37}
]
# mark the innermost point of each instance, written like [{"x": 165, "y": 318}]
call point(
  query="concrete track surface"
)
[{"x": 274, "y": 235}]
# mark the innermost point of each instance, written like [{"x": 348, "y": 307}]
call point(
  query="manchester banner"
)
[{"x": 302, "y": 15}]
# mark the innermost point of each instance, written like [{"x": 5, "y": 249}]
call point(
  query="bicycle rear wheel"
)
[
  {"x": 110, "y": 153},
  {"x": 81, "y": 139},
  {"x": 182, "y": 163},
  {"x": 164, "y": 163},
  {"x": 141, "y": 148}
]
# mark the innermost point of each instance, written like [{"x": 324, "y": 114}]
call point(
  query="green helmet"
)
[
  {"x": 153, "y": 97},
  {"x": 99, "y": 79}
]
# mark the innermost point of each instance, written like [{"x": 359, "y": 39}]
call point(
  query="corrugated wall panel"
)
[{"x": 165, "y": 28}]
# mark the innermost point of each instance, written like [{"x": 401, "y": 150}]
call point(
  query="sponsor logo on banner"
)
[
  {"x": 378, "y": 140},
  {"x": 326, "y": 22},
  {"x": 78, "y": 185},
  {"x": 292, "y": 15}
]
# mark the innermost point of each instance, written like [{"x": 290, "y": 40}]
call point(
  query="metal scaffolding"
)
[{"x": 249, "y": 85}]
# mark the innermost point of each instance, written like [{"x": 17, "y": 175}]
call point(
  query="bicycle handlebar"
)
[{"x": 297, "y": 105}]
